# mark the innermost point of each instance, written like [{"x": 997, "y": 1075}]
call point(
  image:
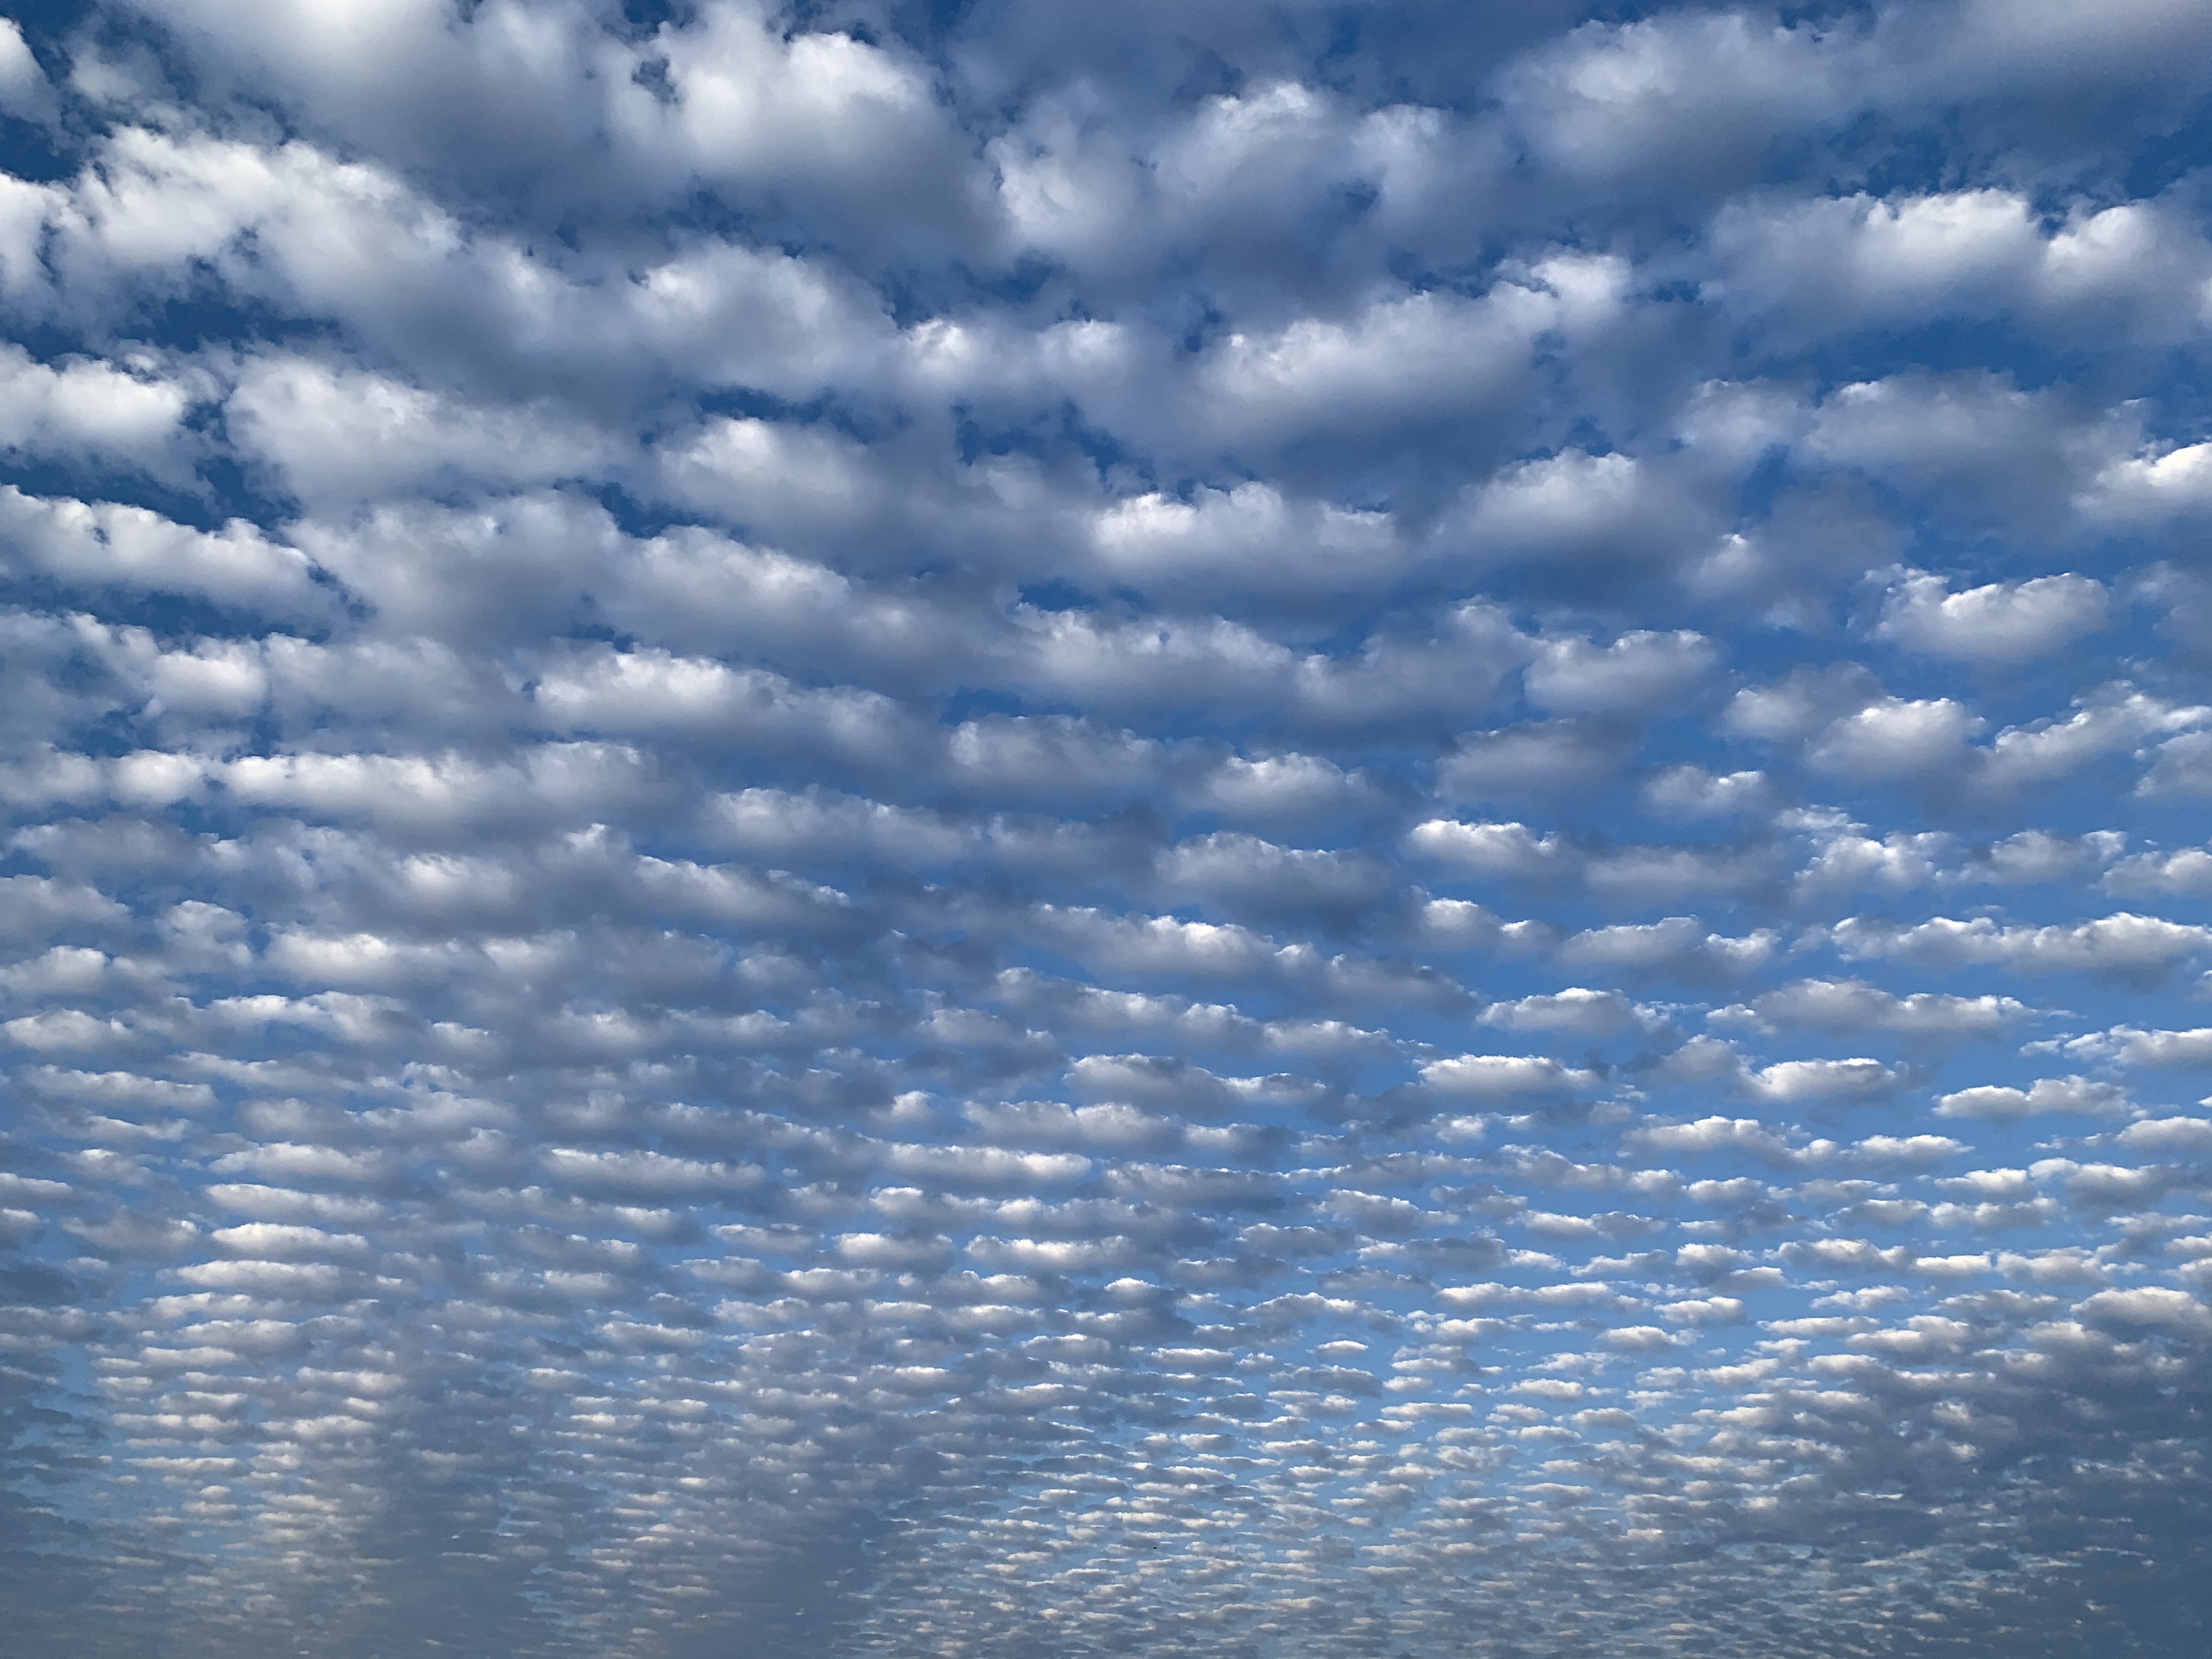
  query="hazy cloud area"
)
[{"x": 1040, "y": 830}]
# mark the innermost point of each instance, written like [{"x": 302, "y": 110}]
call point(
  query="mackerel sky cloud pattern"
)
[{"x": 996, "y": 830}]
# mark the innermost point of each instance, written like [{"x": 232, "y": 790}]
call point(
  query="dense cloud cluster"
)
[{"x": 1004, "y": 830}]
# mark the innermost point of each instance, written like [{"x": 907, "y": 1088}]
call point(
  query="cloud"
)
[
  {"x": 1541, "y": 760},
  {"x": 1576, "y": 1009},
  {"x": 1576, "y": 508},
  {"x": 2006, "y": 1105},
  {"x": 1849, "y": 1006},
  {"x": 1899, "y": 737},
  {"x": 1501, "y": 1077},
  {"x": 1690, "y": 791},
  {"x": 2189, "y": 871},
  {"x": 2132, "y": 1047},
  {"x": 2124, "y": 945},
  {"x": 1489, "y": 849},
  {"x": 1640, "y": 670},
  {"x": 1792, "y": 1080},
  {"x": 773, "y": 778},
  {"x": 2178, "y": 482},
  {"x": 2002, "y": 622}
]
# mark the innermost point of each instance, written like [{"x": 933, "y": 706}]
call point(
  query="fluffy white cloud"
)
[
  {"x": 2068, "y": 1094},
  {"x": 2124, "y": 945},
  {"x": 1899, "y": 737},
  {"x": 2002, "y": 621},
  {"x": 1642, "y": 671}
]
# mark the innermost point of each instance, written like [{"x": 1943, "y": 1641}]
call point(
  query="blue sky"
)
[{"x": 996, "y": 830}]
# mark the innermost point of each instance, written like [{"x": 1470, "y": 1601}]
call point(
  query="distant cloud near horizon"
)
[{"x": 1011, "y": 830}]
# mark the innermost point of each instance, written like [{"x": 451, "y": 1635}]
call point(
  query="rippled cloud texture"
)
[{"x": 1059, "y": 829}]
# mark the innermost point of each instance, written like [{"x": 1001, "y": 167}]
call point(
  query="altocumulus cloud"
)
[{"x": 1015, "y": 829}]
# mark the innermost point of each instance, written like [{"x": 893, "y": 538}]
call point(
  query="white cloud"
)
[
  {"x": 2002, "y": 621},
  {"x": 109, "y": 545},
  {"x": 2006, "y": 1105},
  {"x": 1692, "y": 791},
  {"x": 335, "y": 436},
  {"x": 1792, "y": 1080},
  {"x": 1491, "y": 849},
  {"x": 2133, "y": 1047},
  {"x": 1226, "y": 539},
  {"x": 1899, "y": 737},
  {"x": 1867, "y": 260},
  {"x": 1845, "y": 1005},
  {"x": 2152, "y": 487},
  {"x": 24, "y": 88},
  {"x": 1639, "y": 672},
  {"x": 1576, "y": 1009},
  {"x": 2187, "y": 871},
  {"x": 2123, "y": 944},
  {"x": 1577, "y": 507}
]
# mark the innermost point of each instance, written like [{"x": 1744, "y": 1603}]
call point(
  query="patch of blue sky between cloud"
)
[{"x": 1029, "y": 829}]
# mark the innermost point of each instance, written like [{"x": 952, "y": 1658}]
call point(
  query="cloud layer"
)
[{"x": 1048, "y": 829}]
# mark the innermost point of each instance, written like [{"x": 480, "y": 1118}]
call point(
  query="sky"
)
[{"x": 990, "y": 831}]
